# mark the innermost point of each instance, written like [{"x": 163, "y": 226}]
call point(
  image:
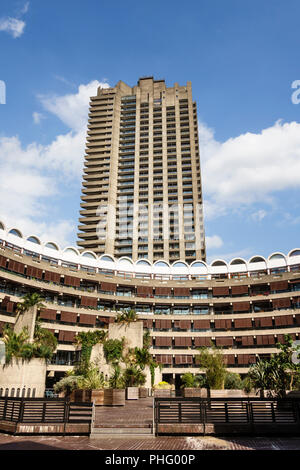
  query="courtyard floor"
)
[
  {"x": 139, "y": 414},
  {"x": 8, "y": 442}
]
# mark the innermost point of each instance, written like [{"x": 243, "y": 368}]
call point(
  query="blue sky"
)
[{"x": 241, "y": 57}]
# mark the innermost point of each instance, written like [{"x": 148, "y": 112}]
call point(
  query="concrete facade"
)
[
  {"x": 23, "y": 378},
  {"x": 244, "y": 306}
]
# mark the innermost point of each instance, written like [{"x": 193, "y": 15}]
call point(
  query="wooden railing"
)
[
  {"x": 226, "y": 416},
  {"x": 45, "y": 411}
]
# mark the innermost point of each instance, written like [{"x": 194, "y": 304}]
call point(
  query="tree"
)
[
  {"x": 212, "y": 361},
  {"x": 144, "y": 358},
  {"x": 233, "y": 381},
  {"x": 67, "y": 384},
  {"x": 283, "y": 371},
  {"x": 18, "y": 345},
  {"x": 44, "y": 343},
  {"x": 277, "y": 374}
]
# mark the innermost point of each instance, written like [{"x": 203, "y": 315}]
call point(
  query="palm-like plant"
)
[
  {"x": 29, "y": 300},
  {"x": 259, "y": 375},
  {"x": 143, "y": 357},
  {"x": 16, "y": 345},
  {"x": 116, "y": 380},
  {"x": 190, "y": 380},
  {"x": 45, "y": 342},
  {"x": 127, "y": 316},
  {"x": 133, "y": 376},
  {"x": 92, "y": 380}
]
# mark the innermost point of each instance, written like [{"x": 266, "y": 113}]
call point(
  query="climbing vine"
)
[{"x": 88, "y": 339}]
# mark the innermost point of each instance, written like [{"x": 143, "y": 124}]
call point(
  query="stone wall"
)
[{"x": 133, "y": 334}]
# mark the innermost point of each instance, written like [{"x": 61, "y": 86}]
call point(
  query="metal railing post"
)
[
  {"x": 21, "y": 414},
  {"x": 66, "y": 413},
  {"x": 44, "y": 411},
  {"x": 4, "y": 408},
  {"x": 273, "y": 412},
  {"x": 226, "y": 412}
]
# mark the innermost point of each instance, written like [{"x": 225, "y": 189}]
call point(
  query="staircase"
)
[{"x": 133, "y": 420}]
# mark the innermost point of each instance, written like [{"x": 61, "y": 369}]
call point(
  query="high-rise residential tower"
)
[{"x": 142, "y": 193}]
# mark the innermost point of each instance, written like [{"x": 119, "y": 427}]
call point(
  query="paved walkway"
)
[{"x": 152, "y": 443}]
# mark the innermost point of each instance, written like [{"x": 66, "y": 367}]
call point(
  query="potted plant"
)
[
  {"x": 91, "y": 387},
  {"x": 115, "y": 394},
  {"x": 66, "y": 386},
  {"x": 133, "y": 377},
  {"x": 144, "y": 359},
  {"x": 191, "y": 385}
]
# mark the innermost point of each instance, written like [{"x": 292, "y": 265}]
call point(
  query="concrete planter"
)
[
  {"x": 143, "y": 392},
  {"x": 132, "y": 393},
  {"x": 114, "y": 397}
]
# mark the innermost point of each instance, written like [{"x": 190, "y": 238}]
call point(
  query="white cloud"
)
[
  {"x": 249, "y": 168},
  {"x": 72, "y": 109},
  {"x": 245, "y": 254},
  {"x": 32, "y": 176},
  {"x": 259, "y": 215},
  {"x": 37, "y": 117},
  {"x": 213, "y": 242},
  {"x": 24, "y": 9},
  {"x": 12, "y": 26}
]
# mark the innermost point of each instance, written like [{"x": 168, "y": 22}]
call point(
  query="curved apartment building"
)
[{"x": 245, "y": 307}]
